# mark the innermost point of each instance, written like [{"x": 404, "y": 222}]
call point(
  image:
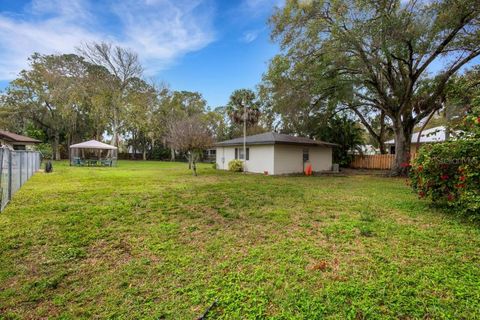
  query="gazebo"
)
[{"x": 93, "y": 153}]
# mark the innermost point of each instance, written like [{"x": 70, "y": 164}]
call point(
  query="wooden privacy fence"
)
[{"x": 376, "y": 161}]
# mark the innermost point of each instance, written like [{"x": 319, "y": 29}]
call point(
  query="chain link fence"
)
[{"x": 16, "y": 167}]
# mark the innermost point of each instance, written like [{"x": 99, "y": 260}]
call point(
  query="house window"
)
[
  {"x": 392, "y": 149},
  {"x": 209, "y": 153},
  {"x": 239, "y": 153},
  {"x": 306, "y": 155},
  {"x": 19, "y": 147}
]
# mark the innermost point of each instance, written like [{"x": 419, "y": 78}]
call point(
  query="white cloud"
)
[
  {"x": 250, "y": 36},
  {"x": 160, "y": 31}
]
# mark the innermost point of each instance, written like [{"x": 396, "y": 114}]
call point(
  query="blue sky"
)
[
  {"x": 209, "y": 46},
  {"x": 213, "y": 47}
]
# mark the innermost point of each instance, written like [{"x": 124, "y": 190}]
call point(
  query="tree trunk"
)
[
  {"x": 152, "y": 149},
  {"x": 382, "y": 148},
  {"x": 144, "y": 153},
  {"x": 381, "y": 135},
  {"x": 115, "y": 128},
  {"x": 193, "y": 160},
  {"x": 69, "y": 143},
  {"x": 403, "y": 136},
  {"x": 133, "y": 146},
  {"x": 172, "y": 154},
  {"x": 114, "y": 137},
  {"x": 423, "y": 128},
  {"x": 194, "y": 167},
  {"x": 56, "y": 146}
]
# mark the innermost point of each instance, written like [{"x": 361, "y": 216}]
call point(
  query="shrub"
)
[
  {"x": 45, "y": 149},
  {"x": 449, "y": 175},
  {"x": 235, "y": 165},
  {"x": 160, "y": 153}
]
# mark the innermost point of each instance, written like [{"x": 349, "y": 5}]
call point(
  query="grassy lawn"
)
[{"x": 148, "y": 240}]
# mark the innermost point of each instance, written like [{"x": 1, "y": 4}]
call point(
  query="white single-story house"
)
[
  {"x": 274, "y": 153},
  {"x": 365, "y": 149},
  {"x": 15, "y": 141},
  {"x": 432, "y": 135}
]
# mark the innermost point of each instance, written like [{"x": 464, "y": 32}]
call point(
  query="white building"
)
[
  {"x": 365, "y": 149},
  {"x": 17, "y": 142},
  {"x": 432, "y": 135},
  {"x": 276, "y": 153}
]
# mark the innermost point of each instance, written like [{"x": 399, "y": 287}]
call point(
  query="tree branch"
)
[{"x": 463, "y": 21}]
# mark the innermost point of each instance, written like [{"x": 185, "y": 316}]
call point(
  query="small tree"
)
[{"x": 191, "y": 136}]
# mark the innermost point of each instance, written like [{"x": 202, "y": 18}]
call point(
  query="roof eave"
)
[
  {"x": 319, "y": 144},
  {"x": 20, "y": 141}
]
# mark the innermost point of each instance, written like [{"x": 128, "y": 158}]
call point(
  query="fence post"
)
[
  {"x": 27, "y": 165},
  {"x": 10, "y": 175},
  {"x": 2, "y": 152},
  {"x": 21, "y": 168}
]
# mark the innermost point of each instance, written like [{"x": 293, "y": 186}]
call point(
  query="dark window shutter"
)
[
  {"x": 236, "y": 153},
  {"x": 248, "y": 153}
]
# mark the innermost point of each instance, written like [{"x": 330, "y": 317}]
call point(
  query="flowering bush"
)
[
  {"x": 449, "y": 174},
  {"x": 235, "y": 165},
  {"x": 471, "y": 125}
]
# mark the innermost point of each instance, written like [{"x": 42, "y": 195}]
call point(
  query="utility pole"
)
[{"x": 244, "y": 136}]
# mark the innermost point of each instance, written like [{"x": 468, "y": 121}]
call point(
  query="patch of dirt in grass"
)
[
  {"x": 28, "y": 267},
  {"x": 42, "y": 310},
  {"x": 102, "y": 252}
]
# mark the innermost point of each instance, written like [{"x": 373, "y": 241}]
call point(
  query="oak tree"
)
[{"x": 381, "y": 53}]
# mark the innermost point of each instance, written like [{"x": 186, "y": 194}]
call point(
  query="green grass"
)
[{"x": 148, "y": 240}]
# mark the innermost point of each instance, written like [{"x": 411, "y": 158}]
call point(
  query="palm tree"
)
[{"x": 244, "y": 108}]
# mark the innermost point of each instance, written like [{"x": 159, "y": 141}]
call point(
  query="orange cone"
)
[{"x": 308, "y": 170}]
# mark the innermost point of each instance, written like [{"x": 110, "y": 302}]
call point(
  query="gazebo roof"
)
[{"x": 93, "y": 144}]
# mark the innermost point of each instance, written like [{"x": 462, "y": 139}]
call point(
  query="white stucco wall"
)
[
  {"x": 278, "y": 159},
  {"x": 289, "y": 158},
  {"x": 223, "y": 156},
  {"x": 11, "y": 146},
  {"x": 260, "y": 158},
  {"x": 321, "y": 158}
]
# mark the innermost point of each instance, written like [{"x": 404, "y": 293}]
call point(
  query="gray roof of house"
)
[
  {"x": 13, "y": 137},
  {"x": 274, "y": 138}
]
